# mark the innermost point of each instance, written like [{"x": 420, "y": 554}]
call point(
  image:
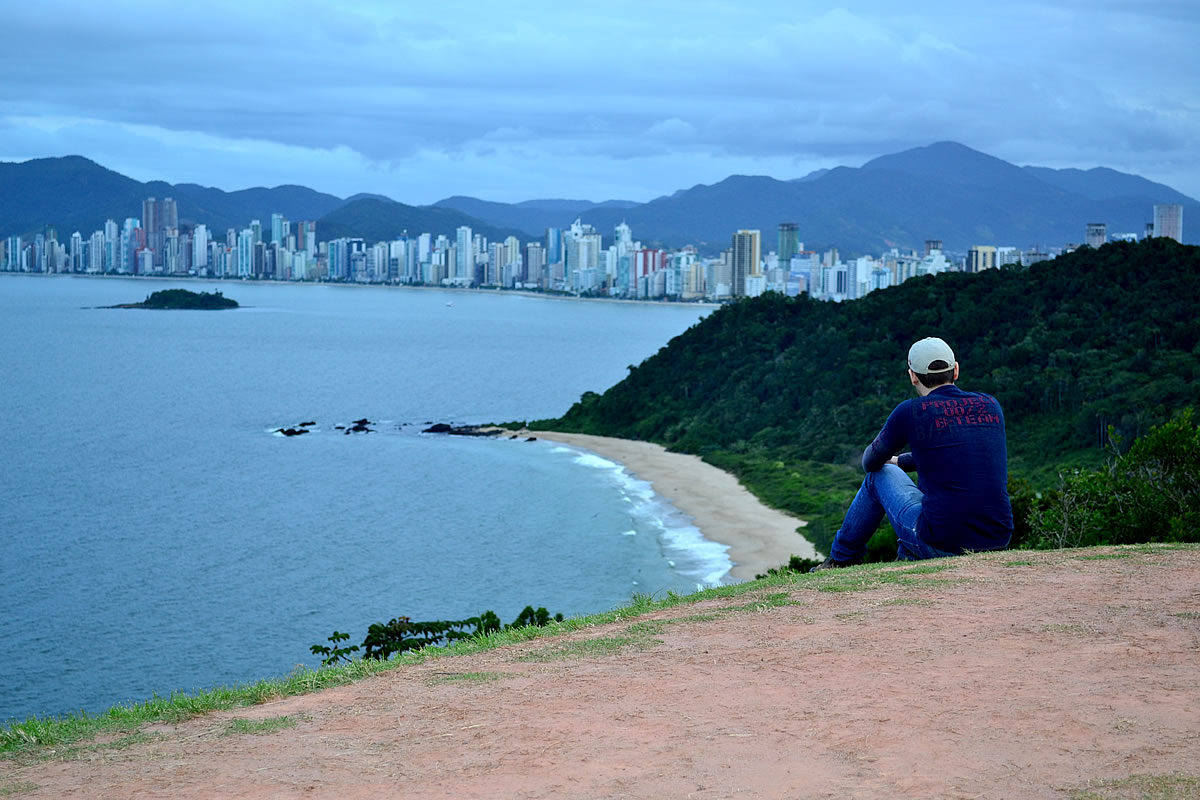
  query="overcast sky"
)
[{"x": 631, "y": 100}]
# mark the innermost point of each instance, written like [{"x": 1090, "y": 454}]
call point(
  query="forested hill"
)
[{"x": 1070, "y": 346}]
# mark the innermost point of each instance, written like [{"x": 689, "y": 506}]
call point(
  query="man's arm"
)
[{"x": 882, "y": 450}]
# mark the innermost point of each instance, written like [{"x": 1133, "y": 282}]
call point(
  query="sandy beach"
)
[{"x": 758, "y": 537}]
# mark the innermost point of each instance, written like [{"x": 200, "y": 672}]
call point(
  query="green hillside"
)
[{"x": 787, "y": 392}]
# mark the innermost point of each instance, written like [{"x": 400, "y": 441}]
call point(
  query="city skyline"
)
[
  {"x": 631, "y": 102},
  {"x": 573, "y": 260}
]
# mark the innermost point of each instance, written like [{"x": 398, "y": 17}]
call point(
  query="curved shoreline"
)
[{"x": 758, "y": 537}]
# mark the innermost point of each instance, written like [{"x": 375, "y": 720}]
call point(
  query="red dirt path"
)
[{"x": 990, "y": 679}]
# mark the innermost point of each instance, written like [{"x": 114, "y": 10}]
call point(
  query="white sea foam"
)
[{"x": 682, "y": 544}]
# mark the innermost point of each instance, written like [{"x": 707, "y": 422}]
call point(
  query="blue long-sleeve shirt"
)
[{"x": 957, "y": 446}]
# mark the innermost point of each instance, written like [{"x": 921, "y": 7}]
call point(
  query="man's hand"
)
[{"x": 894, "y": 460}]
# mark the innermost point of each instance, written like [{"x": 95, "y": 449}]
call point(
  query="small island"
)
[{"x": 182, "y": 298}]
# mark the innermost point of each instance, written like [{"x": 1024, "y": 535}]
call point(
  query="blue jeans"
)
[{"x": 889, "y": 491}]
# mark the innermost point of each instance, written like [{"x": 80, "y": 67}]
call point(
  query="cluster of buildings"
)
[{"x": 572, "y": 259}]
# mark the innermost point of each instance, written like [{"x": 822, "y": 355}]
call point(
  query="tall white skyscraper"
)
[
  {"x": 96, "y": 252},
  {"x": 200, "y": 247},
  {"x": 245, "y": 253},
  {"x": 464, "y": 260},
  {"x": 1168, "y": 221},
  {"x": 424, "y": 247}
]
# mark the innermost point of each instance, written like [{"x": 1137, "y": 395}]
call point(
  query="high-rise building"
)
[
  {"x": 464, "y": 256},
  {"x": 554, "y": 253},
  {"x": 13, "y": 255},
  {"x": 1097, "y": 234},
  {"x": 623, "y": 239},
  {"x": 535, "y": 263},
  {"x": 76, "y": 252},
  {"x": 745, "y": 259},
  {"x": 200, "y": 247},
  {"x": 931, "y": 245},
  {"x": 151, "y": 220},
  {"x": 789, "y": 241},
  {"x": 245, "y": 253},
  {"x": 97, "y": 251},
  {"x": 581, "y": 252},
  {"x": 306, "y": 237},
  {"x": 279, "y": 232},
  {"x": 1168, "y": 221},
  {"x": 981, "y": 257},
  {"x": 152, "y": 225}
]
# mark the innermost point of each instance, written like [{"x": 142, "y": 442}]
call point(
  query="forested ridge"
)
[{"x": 786, "y": 392}]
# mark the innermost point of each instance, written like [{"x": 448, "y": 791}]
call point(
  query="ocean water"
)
[{"x": 158, "y": 535}]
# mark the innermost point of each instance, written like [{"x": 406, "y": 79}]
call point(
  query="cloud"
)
[{"x": 474, "y": 91}]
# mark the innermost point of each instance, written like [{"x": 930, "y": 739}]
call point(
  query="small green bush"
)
[{"x": 1149, "y": 494}]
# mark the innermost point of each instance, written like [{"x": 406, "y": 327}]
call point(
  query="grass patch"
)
[
  {"x": 1105, "y": 556},
  {"x": 1158, "y": 547},
  {"x": 466, "y": 677},
  {"x": 1057, "y": 628},
  {"x": 258, "y": 726},
  {"x": 1175, "y": 786},
  {"x": 851, "y": 616},
  {"x": 1017, "y": 564},
  {"x": 905, "y": 601},
  {"x": 1187, "y": 615},
  {"x": 591, "y": 648},
  {"x": 929, "y": 567},
  {"x": 45, "y": 732},
  {"x": 866, "y": 577},
  {"x": 20, "y": 787}
]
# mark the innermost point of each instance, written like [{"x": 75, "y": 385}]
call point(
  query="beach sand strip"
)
[{"x": 758, "y": 537}]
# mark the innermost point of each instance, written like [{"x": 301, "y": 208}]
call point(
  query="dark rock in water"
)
[
  {"x": 531, "y": 439},
  {"x": 306, "y": 424},
  {"x": 359, "y": 427},
  {"x": 473, "y": 430},
  {"x": 360, "y": 422},
  {"x": 292, "y": 431},
  {"x": 339, "y": 427},
  {"x": 514, "y": 436},
  {"x": 464, "y": 430}
]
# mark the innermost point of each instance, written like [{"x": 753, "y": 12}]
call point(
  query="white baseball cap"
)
[{"x": 925, "y": 352}]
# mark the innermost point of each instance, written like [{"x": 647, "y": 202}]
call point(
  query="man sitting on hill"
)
[{"x": 958, "y": 450}]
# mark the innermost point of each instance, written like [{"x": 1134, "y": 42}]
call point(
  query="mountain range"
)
[{"x": 944, "y": 191}]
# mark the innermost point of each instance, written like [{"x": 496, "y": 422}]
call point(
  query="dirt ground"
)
[{"x": 1006, "y": 675}]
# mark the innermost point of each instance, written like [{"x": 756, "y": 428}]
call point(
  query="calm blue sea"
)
[{"x": 158, "y": 535}]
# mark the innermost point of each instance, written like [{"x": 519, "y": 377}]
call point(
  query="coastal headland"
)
[{"x": 758, "y": 537}]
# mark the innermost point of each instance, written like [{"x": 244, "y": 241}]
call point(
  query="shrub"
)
[{"x": 1149, "y": 494}]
